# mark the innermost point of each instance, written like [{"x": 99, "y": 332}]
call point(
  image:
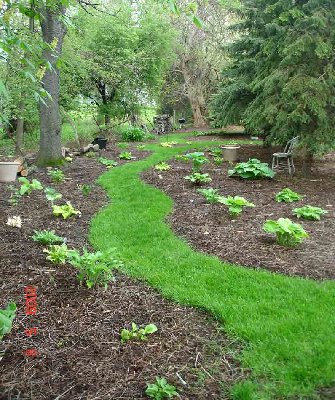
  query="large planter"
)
[
  {"x": 8, "y": 171},
  {"x": 230, "y": 153},
  {"x": 102, "y": 142}
]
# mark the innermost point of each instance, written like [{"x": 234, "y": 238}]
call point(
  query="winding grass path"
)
[{"x": 287, "y": 324}]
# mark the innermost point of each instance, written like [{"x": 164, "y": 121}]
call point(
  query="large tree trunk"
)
[
  {"x": 307, "y": 163},
  {"x": 53, "y": 32},
  {"x": 199, "y": 120}
]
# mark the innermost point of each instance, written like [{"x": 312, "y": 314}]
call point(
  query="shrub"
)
[
  {"x": 56, "y": 175},
  {"x": 57, "y": 254},
  {"x": 137, "y": 333},
  {"x": 210, "y": 195},
  {"x": 47, "y": 237},
  {"x": 198, "y": 160},
  {"x": 27, "y": 187},
  {"x": 288, "y": 196},
  {"x": 198, "y": 178},
  {"x": 126, "y": 155},
  {"x": 253, "y": 169},
  {"x": 162, "y": 166},
  {"x": 66, "y": 210},
  {"x": 287, "y": 232},
  {"x": 133, "y": 134},
  {"x": 6, "y": 319},
  {"x": 161, "y": 390},
  {"x": 236, "y": 204},
  {"x": 309, "y": 212}
]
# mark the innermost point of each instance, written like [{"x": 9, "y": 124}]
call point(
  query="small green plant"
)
[
  {"x": 107, "y": 163},
  {"x": 181, "y": 157},
  {"x": 56, "y": 175},
  {"x": 68, "y": 159},
  {"x": 168, "y": 144},
  {"x": 309, "y": 212},
  {"x": 6, "y": 319},
  {"x": 15, "y": 195},
  {"x": 66, "y": 210},
  {"x": 140, "y": 146},
  {"x": 235, "y": 204},
  {"x": 52, "y": 195},
  {"x": 211, "y": 195},
  {"x": 161, "y": 389},
  {"x": 123, "y": 145},
  {"x": 218, "y": 160},
  {"x": 47, "y": 237},
  {"x": 27, "y": 187},
  {"x": 137, "y": 333},
  {"x": 133, "y": 134},
  {"x": 85, "y": 189},
  {"x": 126, "y": 155},
  {"x": 198, "y": 178},
  {"x": 252, "y": 169},
  {"x": 198, "y": 160},
  {"x": 91, "y": 154},
  {"x": 57, "y": 254},
  {"x": 215, "y": 152},
  {"x": 288, "y": 196},
  {"x": 162, "y": 166},
  {"x": 287, "y": 232},
  {"x": 94, "y": 268}
]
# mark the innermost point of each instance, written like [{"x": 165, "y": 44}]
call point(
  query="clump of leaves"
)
[
  {"x": 133, "y": 134},
  {"x": 162, "y": 166},
  {"x": 47, "y": 237},
  {"x": 137, "y": 333},
  {"x": 52, "y": 195},
  {"x": 168, "y": 144},
  {"x": 27, "y": 187},
  {"x": 211, "y": 195},
  {"x": 90, "y": 154},
  {"x": 65, "y": 211},
  {"x": 181, "y": 157},
  {"x": 161, "y": 389},
  {"x": 287, "y": 233},
  {"x": 56, "y": 175},
  {"x": 252, "y": 169},
  {"x": 215, "y": 152},
  {"x": 15, "y": 196},
  {"x": 6, "y": 319},
  {"x": 57, "y": 254},
  {"x": 288, "y": 196},
  {"x": 68, "y": 159},
  {"x": 235, "y": 204},
  {"x": 198, "y": 178},
  {"x": 107, "y": 163},
  {"x": 94, "y": 268},
  {"x": 309, "y": 212},
  {"x": 140, "y": 146},
  {"x": 126, "y": 155},
  {"x": 218, "y": 160},
  {"x": 85, "y": 189},
  {"x": 198, "y": 159}
]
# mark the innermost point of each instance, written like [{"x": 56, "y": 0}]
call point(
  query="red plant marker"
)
[{"x": 31, "y": 309}]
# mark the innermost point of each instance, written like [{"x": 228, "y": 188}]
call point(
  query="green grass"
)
[{"x": 286, "y": 324}]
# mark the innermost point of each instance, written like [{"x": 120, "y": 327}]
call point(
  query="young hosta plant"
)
[
  {"x": 181, "y": 157},
  {"x": 287, "y": 232},
  {"x": 27, "y": 187},
  {"x": 52, "y": 195},
  {"x": 57, "y": 254},
  {"x": 57, "y": 175},
  {"x": 168, "y": 144},
  {"x": 218, "y": 160},
  {"x": 66, "y": 210},
  {"x": 126, "y": 155},
  {"x": 94, "y": 268},
  {"x": 137, "y": 333},
  {"x": 198, "y": 178},
  {"x": 85, "y": 189},
  {"x": 161, "y": 390},
  {"x": 211, "y": 195},
  {"x": 215, "y": 152},
  {"x": 253, "y": 169},
  {"x": 288, "y": 196},
  {"x": 6, "y": 319},
  {"x": 198, "y": 160},
  {"x": 235, "y": 204},
  {"x": 309, "y": 212},
  {"x": 47, "y": 237},
  {"x": 107, "y": 163},
  {"x": 162, "y": 166}
]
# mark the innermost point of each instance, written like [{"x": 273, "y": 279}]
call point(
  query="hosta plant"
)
[
  {"x": 287, "y": 233},
  {"x": 162, "y": 166},
  {"x": 6, "y": 319},
  {"x": 65, "y": 211},
  {"x": 198, "y": 178},
  {"x": 52, "y": 195},
  {"x": 218, "y": 160},
  {"x": 198, "y": 159},
  {"x": 137, "y": 333},
  {"x": 107, "y": 163},
  {"x": 126, "y": 155},
  {"x": 252, "y": 169},
  {"x": 161, "y": 390},
  {"x": 85, "y": 189},
  {"x": 309, "y": 212},
  {"x": 215, "y": 152},
  {"x": 168, "y": 144},
  {"x": 47, "y": 237},
  {"x": 181, "y": 157},
  {"x": 211, "y": 195},
  {"x": 235, "y": 204},
  {"x": 57, "y": 254},
  {"x": 56, "y": 175},
  {"x": 27, "y": 187},
  {"x": 288, "y": 196}
]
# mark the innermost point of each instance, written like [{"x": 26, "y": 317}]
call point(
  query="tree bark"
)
[
  {"x": 307, "y": 163},
  {"x": 53, "y": 32},
  {"x": 19, "y": 130}
]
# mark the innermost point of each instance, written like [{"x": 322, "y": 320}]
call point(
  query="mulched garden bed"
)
[
  {"x": 79, "y": 351},
  {"x": 210, "y": 229}
]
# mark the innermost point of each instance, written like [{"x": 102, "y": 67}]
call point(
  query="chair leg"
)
[
  {"x": 289, "y": 165},
  {"x": 273, "y": 163},
  {"x": 293, "y": 166}
]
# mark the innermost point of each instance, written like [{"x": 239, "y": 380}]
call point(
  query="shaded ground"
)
[
  {"x": 210, "y": 229},
  {"x": 80, "y": 354}
]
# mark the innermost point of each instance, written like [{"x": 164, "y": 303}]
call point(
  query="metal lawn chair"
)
[{"x": 286, "y": 156}]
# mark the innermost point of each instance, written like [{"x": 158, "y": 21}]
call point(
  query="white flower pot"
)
[
  {"x": 8, "y": 171},
  {"x": 230, "y": 153}
]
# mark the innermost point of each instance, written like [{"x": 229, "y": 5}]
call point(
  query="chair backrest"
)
[{"x": 290, "y": 144}]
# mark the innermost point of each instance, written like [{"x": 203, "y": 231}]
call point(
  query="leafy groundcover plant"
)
[
  {"x": 162, "y": 166},
  {"x": 235, "y": 204},
  {"x": 287, "y": 233},
  {"x": 66, "y": 210},
  {"x": 211, "y": 195},
  {"x": 47, "y": 237},
  {"x": 309, "y": 212},
  {"x": 52, "y": 195},
  {"x": 288, "y": 196},
  {"x": 27, "y": 187},
  {"x": 56, "y": 175},
  {"x": 6, "y": 319},
  {"x": 137, "y": 333},
  {"x": 198, "y": 159},
  {"x": 161, "y": 390},
  {"x": 253, "y": 169},
  {"x": 126, "y": 155},
  {"x": 107, "y": 163},
  {"x": 198, "y": 178},
  {"x": 57, "y": 254}
]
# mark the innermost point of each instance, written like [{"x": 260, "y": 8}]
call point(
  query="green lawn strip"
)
[{"x": 286, "y": 323}]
